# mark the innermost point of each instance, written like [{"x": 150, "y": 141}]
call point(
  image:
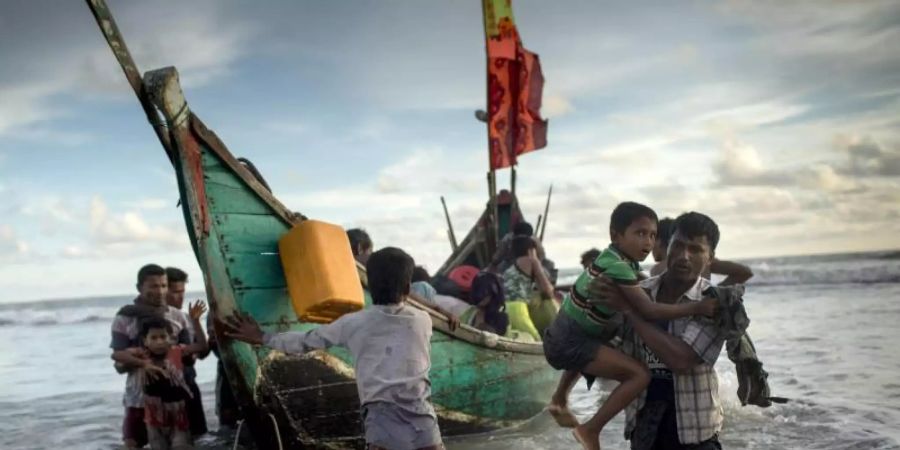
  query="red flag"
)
[{"x": 515, "y": 84}]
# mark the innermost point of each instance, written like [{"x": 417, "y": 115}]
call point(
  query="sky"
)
[{"x": 780, "y": 120}]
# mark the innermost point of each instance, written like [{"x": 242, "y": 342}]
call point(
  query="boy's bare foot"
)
[
  {"x": 562, "y": 415},
  {"x": 588, "y": 439}
]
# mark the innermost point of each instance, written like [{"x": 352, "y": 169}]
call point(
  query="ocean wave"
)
[{"x": 51, "y": 318}]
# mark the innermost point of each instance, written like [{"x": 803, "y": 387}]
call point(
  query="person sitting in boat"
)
[
  {"x": 165, "y": 389},
  {"x": 422, "y": 291},
  {"x": 360, "y": 244},
  {"x": 488, "y": 310},
  {"x": 527, "y": 286},
  {"x": 589, "y": 256},
  {"x": 175, "y": 298},
  {"x": 152, "y": 286},
  {"x": 579, "y": 338},
  {"x": 390, "y": 344},
  {"x": 504, "y": 256}
]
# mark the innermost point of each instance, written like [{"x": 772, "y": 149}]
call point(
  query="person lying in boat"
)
[
  {"x": 528, "y": 289},
  {"x": 735, "y": 273},
  {"x": 579, "y": 338},
  {"x": 165, "y": 390},
  {"x": 422, "y": 291},
  {"x": 175, "y": 298},
  {"x": 390, "y": 344}
]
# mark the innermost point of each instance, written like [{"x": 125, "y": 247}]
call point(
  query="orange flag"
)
[{"x": 515, "y": 84}]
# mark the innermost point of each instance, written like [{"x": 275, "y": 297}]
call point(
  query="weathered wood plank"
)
[
  {"x": 255, "y": 270},
  {"x": 249, "y": 233}
]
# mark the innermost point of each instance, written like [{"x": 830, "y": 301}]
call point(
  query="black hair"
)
[
  {"x": 487, "y": 284},
  {"x": 590, "y": 255},
  {"x": 359, "y": 238},
  {"x": 664, "y": 230},
  {"x": 153, "y": 323},
  {"x": 626, "y": 213},
  {"x": 521, "y": 244},
  {"x": 150, "y": 270},
  {"x": 523, "y": 229},
  {"x": 390, "y": 271},
  {"x": 693, "y": 224},
  {"x": 176, "y": 275},
  {"x": 420, "y": 274}
]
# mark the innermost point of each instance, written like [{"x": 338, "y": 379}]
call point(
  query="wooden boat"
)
[{"x": 480, "y": 381}]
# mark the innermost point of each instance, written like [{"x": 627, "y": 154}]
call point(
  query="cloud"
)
[
  {"x": 868, "y": 158},
  {"x": 556, "y": 106},
  {"x": 12, "y": 248},
  {"x": 120, "y": 232},
  {"x": 203, "y": 44}
]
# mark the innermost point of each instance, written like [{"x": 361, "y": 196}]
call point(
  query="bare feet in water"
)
[
  {"x": 588, "y": 439},
  {"x": 562, "y": 415}
]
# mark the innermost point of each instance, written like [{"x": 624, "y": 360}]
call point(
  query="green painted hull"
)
[{"x": 479, "y": 383}]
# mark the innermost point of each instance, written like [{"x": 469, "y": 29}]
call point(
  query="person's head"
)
[
  {"x": 488, "y": 296},
  {"x": 632, "y": 228},
  {"x": 420, "y": 274},
  {"x": 152, "y": 285},
  {"x": 692, "y": 246},
  {"x": 390, "y": 272},
  {"x": 177, "y": 279},
  {"x": 523, "y": 229},
  {"x": 521, "y": 245},
  {"x": 663, "y": 234},
  {"x": 588, "y": 257},
  {"x": 156, "y": 335},
  {"x": 360, "y": 244}
]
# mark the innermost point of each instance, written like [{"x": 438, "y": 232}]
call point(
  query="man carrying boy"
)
[
  {"x": 681, "y": 408},
  {"x": 579, "y": 340},
  {"x": 390, "y": 344},
  {"x": 152, "y": 285}
]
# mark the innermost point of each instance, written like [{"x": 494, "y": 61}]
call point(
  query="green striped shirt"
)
[{"x": 592, "y": 317}]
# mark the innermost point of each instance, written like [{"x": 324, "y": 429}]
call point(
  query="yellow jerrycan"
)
[{"x": 320, "y": 271}]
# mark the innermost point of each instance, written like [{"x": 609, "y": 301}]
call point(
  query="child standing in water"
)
[
  {"x": 578, "y": 339},
  {"x": 165, "y": 390},
  {"x": 391, "y": 348}
]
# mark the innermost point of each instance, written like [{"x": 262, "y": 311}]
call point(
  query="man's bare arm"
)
[{"x": 735, "y": 273}]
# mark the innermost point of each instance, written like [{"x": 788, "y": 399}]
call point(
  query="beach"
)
[{"x": 824, "y": 327}]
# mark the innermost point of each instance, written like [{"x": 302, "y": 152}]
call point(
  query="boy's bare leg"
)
[
  {"x": 633, "y": 378},
  {"x": 559, "y": 403}
]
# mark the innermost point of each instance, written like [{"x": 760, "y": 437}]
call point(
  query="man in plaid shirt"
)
[{"x": 680, "y": 408}]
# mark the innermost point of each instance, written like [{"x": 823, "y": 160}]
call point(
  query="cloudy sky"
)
[{"x": 781, "y": 121}]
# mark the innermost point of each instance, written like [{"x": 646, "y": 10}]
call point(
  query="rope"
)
[
  {"x": 177, "y": 119},
  {"x": 237, "y": 435},
  {"x": 277, "y": 431}
]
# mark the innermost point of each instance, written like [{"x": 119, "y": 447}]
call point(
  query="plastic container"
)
[{"x": 320, "y": 271}]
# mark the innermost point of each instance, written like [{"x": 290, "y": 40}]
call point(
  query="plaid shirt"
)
[{"x": 698, "y": 410}]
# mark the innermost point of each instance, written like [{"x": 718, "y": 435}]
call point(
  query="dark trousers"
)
[
  {"x": 657, "y": 429},
  {"x": 196, "y": 415}
]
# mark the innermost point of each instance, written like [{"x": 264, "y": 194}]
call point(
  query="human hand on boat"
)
[
  {"x": 197, "y": 309},
  {"x": 452, "y": 322},
  {"x": 242, "y": 327}
]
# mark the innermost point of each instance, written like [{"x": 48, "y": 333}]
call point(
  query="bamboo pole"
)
[
  {"x": 116, "y": 43},
  {"x": 450, "y": 233}
]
